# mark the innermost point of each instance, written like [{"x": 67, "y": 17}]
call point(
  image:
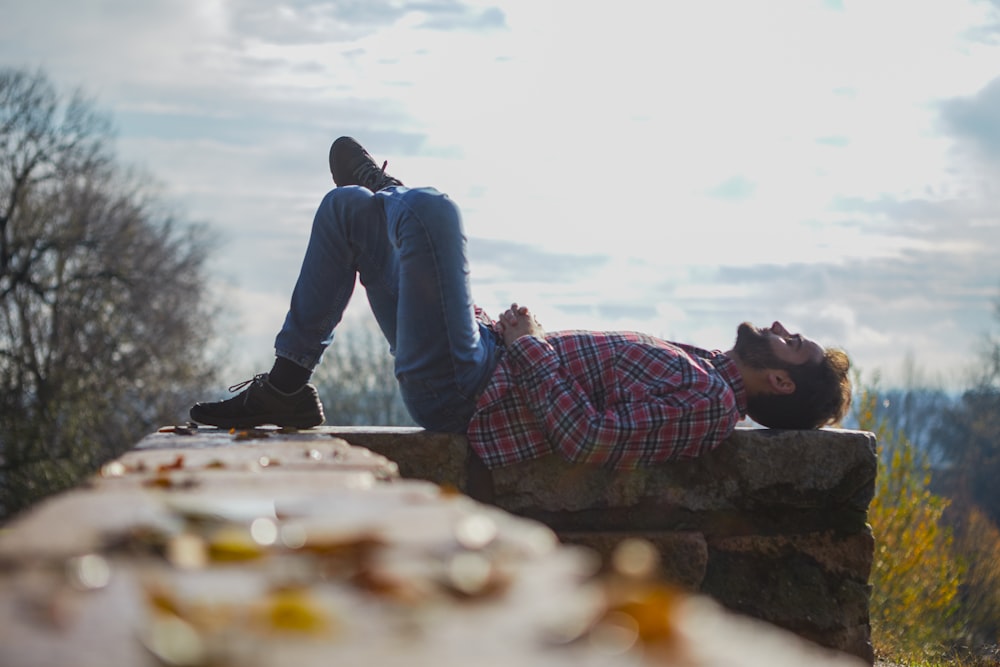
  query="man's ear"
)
[{"x": 780, "y": 382}]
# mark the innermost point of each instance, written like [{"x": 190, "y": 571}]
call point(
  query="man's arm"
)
[{"x": 630, "y": 431}]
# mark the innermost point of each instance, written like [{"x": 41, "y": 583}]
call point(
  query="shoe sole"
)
[{"x": 293, "y": 421}]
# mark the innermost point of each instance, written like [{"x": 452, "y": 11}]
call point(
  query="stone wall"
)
[
  {"x": 772, "y": 524},
  {"x": 267, "y": 547}
]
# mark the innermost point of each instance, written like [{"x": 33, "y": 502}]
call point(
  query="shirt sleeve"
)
[{"x": 634, "y": 428}]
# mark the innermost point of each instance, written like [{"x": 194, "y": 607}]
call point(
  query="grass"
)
[{"x": 950, "y": 661}]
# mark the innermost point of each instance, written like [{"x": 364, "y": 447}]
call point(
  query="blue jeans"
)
[{"x": 408, "y": 247}]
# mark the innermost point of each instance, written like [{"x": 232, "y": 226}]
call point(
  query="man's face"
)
[{"x": 774, "y": 347}]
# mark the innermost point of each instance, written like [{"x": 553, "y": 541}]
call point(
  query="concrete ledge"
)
[{"x": 772, "y": 523}]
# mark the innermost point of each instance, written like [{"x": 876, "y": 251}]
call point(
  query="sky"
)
[{"x": 668, "y": 167}]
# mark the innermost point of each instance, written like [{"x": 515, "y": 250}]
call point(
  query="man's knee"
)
[
  {"x": 344, "y": 206},
  {"x": 434, "y": 211},
  {"x": 347, "y": 198}
]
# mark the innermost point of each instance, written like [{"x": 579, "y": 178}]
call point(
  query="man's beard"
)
[{"x": 754, "y": 348}]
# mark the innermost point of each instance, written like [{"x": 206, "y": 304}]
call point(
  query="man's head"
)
[{"x": 792, "y": 382}]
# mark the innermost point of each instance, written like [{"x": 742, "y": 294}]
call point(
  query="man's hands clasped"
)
[{"x": 518, "y": 321}]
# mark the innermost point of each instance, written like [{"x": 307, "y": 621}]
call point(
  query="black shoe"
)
[
  {"x": 351, "y": 164},
  {"x": 262, "y": 403}
]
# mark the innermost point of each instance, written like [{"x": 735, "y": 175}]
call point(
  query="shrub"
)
[
  {"x": 915, "y": 575},
  {"x": 977, "y": 541}
]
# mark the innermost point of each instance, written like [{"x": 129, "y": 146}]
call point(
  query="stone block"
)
[
  {"x": 420, "y": 454},
  {"x": 842, "y": 555},
  {"x": 683, "y": 556},
  {"x": 757, "y": 481},
  {"x": 768, "y": 577}
]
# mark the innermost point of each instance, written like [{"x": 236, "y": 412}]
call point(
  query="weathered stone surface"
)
[
  {"x": 437, "y": 457},
  {"x": 772, "y": 523},
  {"x": 757, "y": 481},
  {"x": 271, "y": 455},
  {"x": 202, "y": 446},
  {"x": 300, "y": 550},
  {"x": 855, "y": 641},
  {"x": 683, "y": 556},
  {"x": 848, "y": 555},
  {"x": 757, "y": 477},
  {"x": 124, "y": 495},
  {"x": 54, "y": 528},
  {"x": 790, "y": 589}
]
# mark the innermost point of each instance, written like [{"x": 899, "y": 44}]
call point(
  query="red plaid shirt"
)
[{"x": 622, "y": 400}]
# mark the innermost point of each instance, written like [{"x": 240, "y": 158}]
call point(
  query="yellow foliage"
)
[
  {"x": 915, "y": 575},
  {"x": 978, "y": 542}
]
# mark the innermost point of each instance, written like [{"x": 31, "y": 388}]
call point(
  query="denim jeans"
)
[{"x": 407, "y": 245}]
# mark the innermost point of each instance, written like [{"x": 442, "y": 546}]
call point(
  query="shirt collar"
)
[{"x": 731, "y": 374}]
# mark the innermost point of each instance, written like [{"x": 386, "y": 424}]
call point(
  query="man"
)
[{"x": 620, "y": 399}]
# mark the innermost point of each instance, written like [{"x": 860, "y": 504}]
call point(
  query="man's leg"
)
[
  {"x": 425, "y": 309},
  {"x": 408, "y": 247},
  {"x": 444, "y": 358},
  {"x": 348, "y": 236}
]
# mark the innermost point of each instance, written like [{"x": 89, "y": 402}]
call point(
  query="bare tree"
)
[
  {"x": 105, "y": 326},
  {"x": 356, "y": 380}
]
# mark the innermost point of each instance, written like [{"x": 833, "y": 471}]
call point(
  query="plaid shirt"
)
[{"x": 622, "y": 400}]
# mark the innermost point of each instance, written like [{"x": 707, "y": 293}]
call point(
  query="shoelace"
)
[
  {"x": 257, "y": 379},
  {"x": 370, "y": 175}
]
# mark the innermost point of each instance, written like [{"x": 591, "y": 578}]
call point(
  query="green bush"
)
[{"x": 916, "y": 577}]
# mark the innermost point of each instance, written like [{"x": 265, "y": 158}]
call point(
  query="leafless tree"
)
[
  {"x": 105, "y": 326},
  {"x": 356, "y": 380}
]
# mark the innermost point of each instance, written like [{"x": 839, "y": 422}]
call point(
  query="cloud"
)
[
  {"x": 956, "y": 223},
  {"x": 313, "y": 22},
  {"x": 611, "y": 312},
  {"x": 498, "y": 261},
  {"x": 834, "y": 141},
  {"x": 988, "y": 32},
  {"x": 937, "y": 302},
  {"x": 309, "y": 22},
  {"x": 976, "y": 120},
  {"x": 733, "y": 189},
  {"x": 450, "y": 15}
]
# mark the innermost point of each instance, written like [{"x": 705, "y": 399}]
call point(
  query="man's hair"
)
[{"x": 821, "y": 397}]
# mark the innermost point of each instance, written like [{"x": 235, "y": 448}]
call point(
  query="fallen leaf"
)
[
  {"x": 652, "y": 607},
  {"x": 233, "y": 543},
  {"x": 186, "y": 429},
  {"x": 178, "y": 464},
  {"x": 251, "y": 434},
  {"x": 165, "y": 481},
  {"x": 294, "y": 610}
]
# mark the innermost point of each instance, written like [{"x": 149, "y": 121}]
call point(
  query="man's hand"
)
[{"x": 518, "y": 321}]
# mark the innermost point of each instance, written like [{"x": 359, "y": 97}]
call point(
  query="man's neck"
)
[{"x": 754, "y": 379}]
